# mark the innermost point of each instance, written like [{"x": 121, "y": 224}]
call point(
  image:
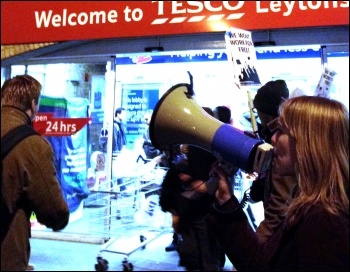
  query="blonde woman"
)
[{"x": 312, "y": 139}]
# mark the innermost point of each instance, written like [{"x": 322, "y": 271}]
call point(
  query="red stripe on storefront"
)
[{"x": 20, "y": 24}]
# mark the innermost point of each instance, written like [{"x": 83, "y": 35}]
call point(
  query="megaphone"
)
[{"x": 178, "y": 119}]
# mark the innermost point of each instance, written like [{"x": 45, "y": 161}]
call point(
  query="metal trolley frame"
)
[{"x": 129, "y": 220}]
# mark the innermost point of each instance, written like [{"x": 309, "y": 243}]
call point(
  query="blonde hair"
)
[
  {"x": 320, "y": 127},
  {"x": 20, "y": 91}
]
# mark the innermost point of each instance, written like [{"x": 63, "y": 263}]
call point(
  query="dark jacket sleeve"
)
[
  {"x": 43, "y": 189},
  {"x": 318, "y": 241},
  {"x": 237, "y": 238}
]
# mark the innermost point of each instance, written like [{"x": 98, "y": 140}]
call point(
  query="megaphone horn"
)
[{"x": 178, "y": 119}]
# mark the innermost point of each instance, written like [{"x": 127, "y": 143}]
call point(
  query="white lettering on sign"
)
[
  {"x": 94, "y": 17},
  {"x": 287, "y": 7},
  {"x": 40, "y": 118},
  {"x": 197, "y": 6},
  {"x": 194, "y": 7},
  {"x": 60, "y": 126},
  {"x": 192, "y": 55},
  {"x": 75, "y": 160},
  {"x": 185, "y": 11},
  {"x": 136, "y": 14}
]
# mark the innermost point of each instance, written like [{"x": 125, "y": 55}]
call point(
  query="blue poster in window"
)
[
  {"x": 74, "y": 157},
  {"x": 134, "y": 103},
  {"x": 137, "y": 99},
  {"x": 70, "y": 151}
]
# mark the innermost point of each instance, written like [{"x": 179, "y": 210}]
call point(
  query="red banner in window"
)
[
  {"x": 47, "y": 125},
  {"x": 55, "y": 21}
]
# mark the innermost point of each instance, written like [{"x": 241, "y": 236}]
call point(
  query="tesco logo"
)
[
  {"x": 177, "y": 7},
  {"x": 195, "y": 7}
]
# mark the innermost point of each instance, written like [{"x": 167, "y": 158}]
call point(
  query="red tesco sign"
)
[{"x": 57, "y": 21}]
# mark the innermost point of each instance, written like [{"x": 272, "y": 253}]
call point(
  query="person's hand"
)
[
  {"x": 158, "y": 159},
  {"x": 224, "y": 190},
  {"x": 147, "y": 143}
]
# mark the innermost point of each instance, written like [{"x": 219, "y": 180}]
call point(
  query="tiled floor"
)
[
  {"x": 55, "y": 255},
  {"x": 77, "y": 247}
]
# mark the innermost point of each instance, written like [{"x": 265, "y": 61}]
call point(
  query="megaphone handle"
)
[
  {"x": 190, "y": 92},
  {"x": 212, "y": 185}
]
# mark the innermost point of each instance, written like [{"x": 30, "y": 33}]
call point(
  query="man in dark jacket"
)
[
  {"x": 29, "y": 175},
  {"x": 272, "y": 189},
  {"x": 119, "y": 134},
  {"x": 118, "y": 144}
]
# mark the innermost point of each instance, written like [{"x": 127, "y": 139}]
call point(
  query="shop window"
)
[
  {"x": 212, "y": 73},
  {"x": 71, "y": 91}
]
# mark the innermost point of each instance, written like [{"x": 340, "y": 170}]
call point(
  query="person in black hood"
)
[
  {"x": 267, "y": 101},
  {"x": 184, "y": 195}
]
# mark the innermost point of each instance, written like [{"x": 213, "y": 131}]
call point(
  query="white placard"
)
[
  {"x": 324, "y": 85},
  {"x": 241, "y": 52}
]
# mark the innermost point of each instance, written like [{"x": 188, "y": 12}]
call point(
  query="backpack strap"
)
[
  {"x": 9, "y": 141},
  {"x": 13, "y": 137}
]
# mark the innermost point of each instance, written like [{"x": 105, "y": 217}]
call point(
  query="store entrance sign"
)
[
  {"x": 47, "y": 125},
  {"x": 57, "y": 21}
]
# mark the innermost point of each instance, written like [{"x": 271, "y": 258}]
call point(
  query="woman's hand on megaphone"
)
[{"x": 224, "y": 190}]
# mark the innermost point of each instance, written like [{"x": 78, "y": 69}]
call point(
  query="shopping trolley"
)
[{"x": 130, "y": 219}]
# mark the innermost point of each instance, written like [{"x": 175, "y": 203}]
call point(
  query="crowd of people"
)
[
  {"x": 305, "y": 191},
  {"x": 298, "y": 191}
]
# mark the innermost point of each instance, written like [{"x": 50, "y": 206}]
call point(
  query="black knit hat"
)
[{"x": 270, "y": 96}]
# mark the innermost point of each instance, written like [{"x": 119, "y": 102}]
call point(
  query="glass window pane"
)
[{"x": 339, "y": 62}]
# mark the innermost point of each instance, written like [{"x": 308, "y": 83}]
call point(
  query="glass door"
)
[{"x": 76, "y": 90}]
